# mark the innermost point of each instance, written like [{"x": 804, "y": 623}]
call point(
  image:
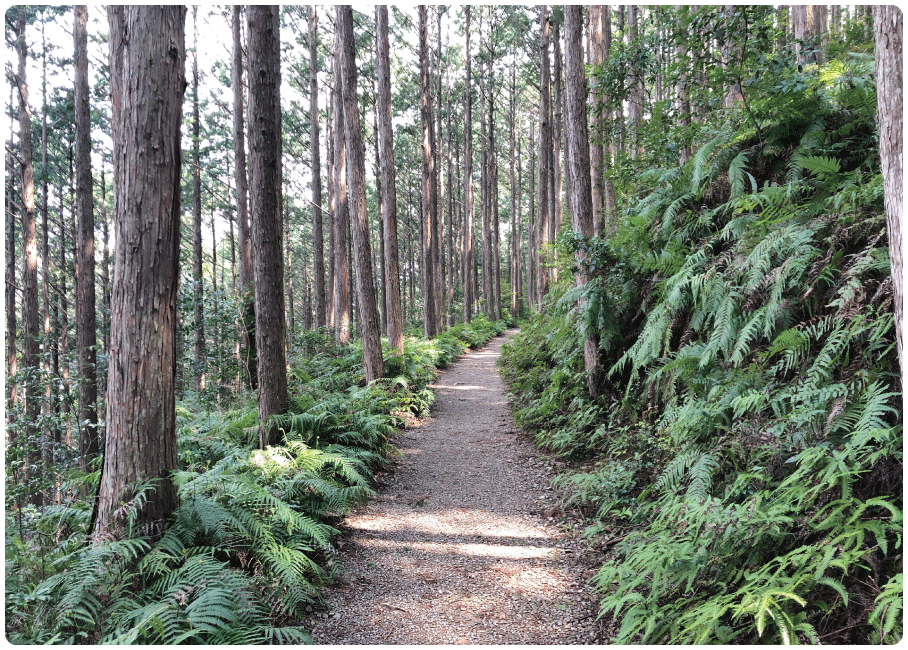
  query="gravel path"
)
[{"x": 461, "y": 545}]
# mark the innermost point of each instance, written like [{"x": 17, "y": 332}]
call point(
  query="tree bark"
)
[
  {"x": 429, "y": 196},
  {"x": 596, "y": 59},
  {"x": 263, "y": 46},
  {"x": 147, "y": 56},
  {"x": 887, "y": 31},
  {"x": 369, "y": 326},
  {"x": 30, "y": 317},
  {"x": 388, "y": 184},
  {"x": 635, "y": 104},
  {"x": 198, "y": 373},
  {"x": 242, "y": 212},
  {"x": 341, "y": 209},
  {"x": 318, "y": 237},
  {"x": 86, "y": 328},
  {"x": 579, "y": 181},
  {"x": 12, "y": 360},
  {"x": 545, "y": 161},
  {"x": 467, "y": 274}
]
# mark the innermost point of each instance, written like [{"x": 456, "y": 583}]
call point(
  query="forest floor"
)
[{"x": 466, "y": 541}]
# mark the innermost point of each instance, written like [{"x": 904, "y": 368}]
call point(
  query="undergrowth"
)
[
  {"x": 251, "y": 542},
  {"x": 748, "y": 446}
]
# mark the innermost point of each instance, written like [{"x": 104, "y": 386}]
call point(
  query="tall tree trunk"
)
[
  {"x": 369, "y": 326},
  {"x": 682, "y": 101},
  {"x": 488, "y": 149},
  {"x": 556, "y": 215},
  {"x": 532, "y": 250},
  {"x": 47, "y": 340},
  {"x": 263, "y": 46},
  {"x": 512, "y": 115},
  {"x": 635, "y": 104},
  {"x": 86, "y": 328},
  {"x": 440, "y": 274},
  {"x": 545, "y": 161},
  {"x": 449, "y": 190},
  {"x": 580, "y": 194},
  {"x": 341, "y": 209},
  {"x": 468, "y": 253},
  {"x": 318, "y": 238},
  {"x": 389, "y": 184},
  {"x": 30, "y": 317},
  {"x": 887, "y": 31},
  {"x": 596, "y": 58},
  {"x": 329, "y": 174},
  {"x": 199, "y": 370},
  {"x": 147, "y": 56},
  {"x": 244, "y": 241},
  {"x": 429, "y": 197},
  {"x": 12, "y": 361}
]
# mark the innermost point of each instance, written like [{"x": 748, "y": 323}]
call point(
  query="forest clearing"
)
[{"x": 265, "y": 265}]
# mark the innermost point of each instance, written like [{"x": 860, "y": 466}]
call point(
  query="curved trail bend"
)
[{"x": 460, "y": 546}]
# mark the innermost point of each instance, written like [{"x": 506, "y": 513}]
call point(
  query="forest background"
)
[{"x": 688, "y": 203}]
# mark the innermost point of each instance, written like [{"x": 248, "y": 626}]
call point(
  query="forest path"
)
[{"x": 460, "y": 546}]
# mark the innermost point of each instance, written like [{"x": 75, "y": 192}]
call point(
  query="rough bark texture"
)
[
  {"x": 198, "y": 373},
  {"x": 429, "y": 195},
  {"x": 369, "y": 326},
  {"x": 263, "y": 47},
  {"x": 318, "y": 237},
  {"x": 557, "y": 140},
  {"x": 147, "y": 56},
  {"x": 30, "y": 316},
  {"x": 887, "y": 33},
  {"x": 580, "y": 194},
  {"x": 682, "y": 102},
  {"x": 635, "y": 102},
  {"x": 86, "y": 328},
  {"x": 467, "y": 275},
  {"x": 341, "y": 209},
  {"x": 545, "y": 160},
  {"x": 594, "y": 46},
  {"x": 12, "y": 361},
  {"x": 388, "y": 184},
  {"x": 242, "y": 209}
]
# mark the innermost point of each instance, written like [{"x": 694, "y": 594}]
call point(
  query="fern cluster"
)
[
  {"x": 250, "y": 545},
  {"x": 750, "y": 438}
]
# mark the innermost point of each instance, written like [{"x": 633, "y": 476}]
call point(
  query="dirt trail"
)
[{"x": 460, "y": 546}]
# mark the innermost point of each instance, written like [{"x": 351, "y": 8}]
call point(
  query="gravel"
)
[{"x": 464, "y": 544}]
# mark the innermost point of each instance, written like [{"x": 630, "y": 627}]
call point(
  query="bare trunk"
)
[
  {"x": 198, "y": 373},
  {"x": 545, "y": 162},
  {"x": 468, "y": 192},
  {"x": 86, "y": 328},
  {"x": 596, "y": 58},
  {"x": 147, "y": 50},
  {"x": 341, "y": 209},
  {"x": 365, "y": 288},
  {"x": 580, "y": 194},
  {"x": 429, "y": 197},
  {"x": 263, "y": 46},
  {"x": 242, "y": 212},
  {"x": 887, "y": 28},
  {"x": 30, "y": 317},
  {"x": 389, "y": 185},
  {"x": 318, "y": 237}
]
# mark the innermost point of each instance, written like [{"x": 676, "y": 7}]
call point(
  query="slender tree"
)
[
  {"x": 86, "y": 328},
  {"x": 580, "y": 198},
  {"x": 596, "y": 57},
  {"x": 147, "y": 75},
  {"x": 429, "y": 194},
  {"x": 12, "y": 362},
  {"x": 341, "y": 208},
  {"x": 318, "y": 238},
  {"x": 388, "y": 183},
  {"x": 369, "y": 325},
  {"x": 263, "y": 46},
  {"x": 468, "y": 254},
  {"x": 887, "y": 31},
  {"x": 198, "y": 374},
  {"x": 545, "y": 159},
  {"x": 30, "y": 317},
  {"x": 244, "y": 241}
]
